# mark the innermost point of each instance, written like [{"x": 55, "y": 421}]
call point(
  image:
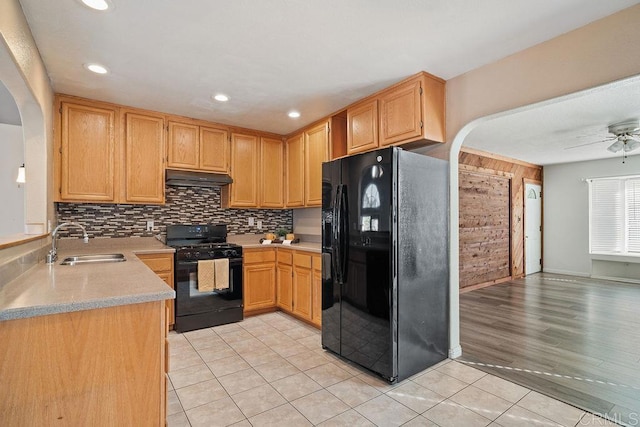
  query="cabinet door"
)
[
  {"x": 244, "y": 171},
  {"x": 316, "y": 291},
  {"x": 401, "y": 113},
  {"x": 162, "y": 265},
  {"x": 144, "y": 154},
  {"x": 294, "y": 193},
  {"x": 183, "y": 146},
  {"x": 285, "y": 286},
  {"x": 316, "y": 148},
  {"x": 88, "y": 147},
  {"x": 362, "y": 127},
  {"x": 214, "y": 150},
  {"x": 271, "y": 173},
  {"x": 168, "y": 279},
  {"x": 302, "y": 292},
  {"x": 259, "y": 286}
]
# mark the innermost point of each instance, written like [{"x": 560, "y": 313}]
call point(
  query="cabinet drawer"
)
[
  {"x": 317, "y": 262},
  {"x": 157, "y": 262},
  {"x": 285, "y": 256},
  {"x": 302, "y": 260},
  {"x": 268, "y": 255}
]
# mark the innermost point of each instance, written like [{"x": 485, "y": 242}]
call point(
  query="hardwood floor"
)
[{"x": 573, "y": 338}]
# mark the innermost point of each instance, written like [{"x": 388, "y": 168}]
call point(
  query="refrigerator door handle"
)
[
  {"x": 344, "y": 233},
  {"x": 335, "y": 259}
]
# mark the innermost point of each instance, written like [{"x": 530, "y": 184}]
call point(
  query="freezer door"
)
[{"x": 331, "y": 295}]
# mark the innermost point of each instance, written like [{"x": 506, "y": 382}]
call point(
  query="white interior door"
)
[{"x": 532, "y": 228}]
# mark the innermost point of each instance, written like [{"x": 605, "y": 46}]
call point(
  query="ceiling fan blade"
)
[{"x": 588, "y": 143}]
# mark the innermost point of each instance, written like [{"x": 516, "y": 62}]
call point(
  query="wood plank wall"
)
[
  {"x": 477, "y": 273},
  {"x": 484, "y": 227}
]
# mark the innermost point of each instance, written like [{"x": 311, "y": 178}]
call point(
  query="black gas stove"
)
[{"x": 197, "y": 308}]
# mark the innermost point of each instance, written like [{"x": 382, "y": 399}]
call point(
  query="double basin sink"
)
[{"x": 93, "y": 259}]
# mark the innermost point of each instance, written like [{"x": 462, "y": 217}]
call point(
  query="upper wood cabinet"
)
[
  {"x": 316, "y": 151},
  {"x": 144, "y": 158},
  {"x": 214, "y": 150},
  {"x": 271, "y": 173},
  {"x": 294, "y": 167},
  {"x": 245, "y": 157},
  {"x": 197, "y": 147},
  {"x": 86, "y": 156},
  {"x": 362, "y": 127},
  {"x": 410, "y": 112},
  {"x": 305, "y": 153},
  {"x": 401, "y": 113},
  {"x": 183, "y": 146}
]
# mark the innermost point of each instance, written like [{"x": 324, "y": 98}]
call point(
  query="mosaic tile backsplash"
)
[{"x": 184, "y": 205}]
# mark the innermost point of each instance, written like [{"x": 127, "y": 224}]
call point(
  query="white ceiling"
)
[
  {"x": 552, "y": 133},
  {"x": 271, "y": 56}
]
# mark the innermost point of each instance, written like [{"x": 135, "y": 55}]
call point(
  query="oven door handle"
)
[{"x": 232, "y": 262}]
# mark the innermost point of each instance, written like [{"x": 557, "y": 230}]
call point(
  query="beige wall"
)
[
  {"x": 596, "y": 54},
  {"x": 593, "y": 55},
  {"x": 23, "y": 73}
]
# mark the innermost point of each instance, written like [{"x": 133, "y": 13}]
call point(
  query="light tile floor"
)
[{"x": 270, "y": 370}]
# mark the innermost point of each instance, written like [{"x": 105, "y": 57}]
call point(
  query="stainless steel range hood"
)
[{"x": 179, "y": 178}]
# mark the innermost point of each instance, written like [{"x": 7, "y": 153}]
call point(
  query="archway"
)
[{"x": 34, "y": 130}]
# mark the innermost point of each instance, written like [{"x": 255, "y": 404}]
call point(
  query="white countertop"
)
[
  {"x": 54, "y": 288},
  {"x": 253, "y": 241}
]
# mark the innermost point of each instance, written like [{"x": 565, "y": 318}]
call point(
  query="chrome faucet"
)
[{"x": 53, "y": 252}]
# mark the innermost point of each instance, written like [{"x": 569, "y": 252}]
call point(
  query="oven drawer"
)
[{"x": 260, "y": 255}]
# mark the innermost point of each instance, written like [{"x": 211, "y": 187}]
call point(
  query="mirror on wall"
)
[{"x": 12, "y": 214}]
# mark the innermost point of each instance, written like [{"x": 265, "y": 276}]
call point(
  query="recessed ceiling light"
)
[
  {"x": 96, "y": 4},
  {"x": 221, "y": 97},
  {"x": 294, "y": 114},
  {"x": 96, "y": 68}
]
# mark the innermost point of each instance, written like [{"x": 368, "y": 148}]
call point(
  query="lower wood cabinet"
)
[
  {"x": 302, "y": 285},
  {"x": 316, "y": 290},
  {"x": 105, "y": 366},
  {"x": 285, "y": 279},
  {"x": 284, "y": 288},
  {"x": 259, "y": 279},
  {"x": 162, "y": 265}
]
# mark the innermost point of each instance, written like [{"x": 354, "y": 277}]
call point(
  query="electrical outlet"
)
[
  {"x": 251, "y": 221},
  {"x": 259, "y": 224},
  {"x": 150, "y": 225}
]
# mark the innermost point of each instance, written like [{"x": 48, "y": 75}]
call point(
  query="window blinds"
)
[
  {"x": 633, "y": 215},
  {"x": 614, "y": 215}
]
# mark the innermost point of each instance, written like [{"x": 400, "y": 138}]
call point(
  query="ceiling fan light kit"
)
[{"x": 625, "y": 133}]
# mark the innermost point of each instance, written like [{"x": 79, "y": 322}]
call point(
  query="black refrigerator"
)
[{"x": 385, "y": 261}]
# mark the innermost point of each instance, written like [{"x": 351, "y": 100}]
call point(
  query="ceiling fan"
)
[{"x": 626, "y": 137}]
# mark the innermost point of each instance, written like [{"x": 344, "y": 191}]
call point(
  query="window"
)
[{"x": 614, "y": 216}]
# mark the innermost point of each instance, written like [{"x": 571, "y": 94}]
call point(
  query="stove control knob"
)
[
  {"x": 197, "y": 254},
  {"x": 230, "y": 253},
  {"x": 187, "y": 255},
  {"x": 212, "y": 254}
]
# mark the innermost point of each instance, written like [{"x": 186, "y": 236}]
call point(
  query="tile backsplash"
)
[{"x": 184, "y": 205}]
